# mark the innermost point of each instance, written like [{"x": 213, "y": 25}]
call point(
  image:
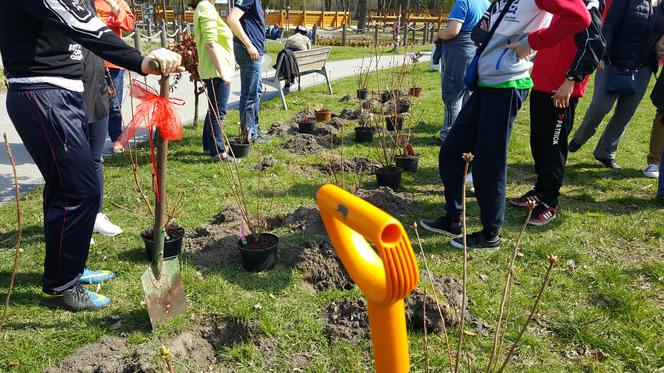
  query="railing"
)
[{"x": 308, "y": 18}]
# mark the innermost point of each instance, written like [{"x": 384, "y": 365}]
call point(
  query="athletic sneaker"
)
[
  {"x": 225, "y": 158},
  {"x": 443, "y": 225},
  {"x": 477, "y": 241},
  {"x": 609, "y": 163},
  {"x": 91, "y": 276},
  {"x": 261, "y": 140},
  {"x": 524, "y": 200},
  {"x": 651, "y": 171},
  {"x": 542, "y": 214},
  {"x": 77, "y": 298},
  {"x": 104, "y": 226}
]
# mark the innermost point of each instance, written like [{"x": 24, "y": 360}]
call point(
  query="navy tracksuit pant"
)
[
  {"x": 52, "y": 125},
  {"x": 483, "y": 127}
]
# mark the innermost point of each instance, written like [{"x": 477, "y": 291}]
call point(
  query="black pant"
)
[
  {"x": 97, "y": 133},
  {"x": 549, "y": 130},
  {"x": 483, "y": 127},
  {"x": 52, "y": 125}
]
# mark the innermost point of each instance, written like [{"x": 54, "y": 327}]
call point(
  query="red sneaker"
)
[
  {"x": 530, "y": 196},
  {"x": 542, "y": 214}
]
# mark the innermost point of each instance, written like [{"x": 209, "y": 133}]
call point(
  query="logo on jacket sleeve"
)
[{"x": 76, "y": 52}]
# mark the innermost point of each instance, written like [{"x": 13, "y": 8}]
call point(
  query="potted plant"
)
[
  {"x": 394, "y": 122},
  {"x": 174, "y": 235},
  {"x": 305, "y": 121},
  {"x": 364, "y": 132},
  {"x": 389, "y": 174},
  {"x": 240, "y": 145},
  {"x": 322, "y": 114},
  {"x": 403, "y": 105},
  {"x": 406, "y": 157},
  {"x": 363, "y": 81},
  {"x": 415, "y": 90}
]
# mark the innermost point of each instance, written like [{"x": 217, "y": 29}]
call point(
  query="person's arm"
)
[
  {"x": 451, "y": 31},
  {"x": 612, "y": 21},
  {"x": 122, "y": 17},
  {"x": 233, "y": 21},
  {"x": 589, "y": 51},
  {"x": 572, "y": 17},
  {"x": 85, "y": 28}
]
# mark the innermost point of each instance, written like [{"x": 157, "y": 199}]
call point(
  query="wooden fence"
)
[
  {"x": 435, "y": 16},
  {"x": 307, "y": 18}
]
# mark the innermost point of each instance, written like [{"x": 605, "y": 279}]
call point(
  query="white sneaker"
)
[
  {"x": 651, "y": 171},
  {"x": 92, "y": 241},
  {"x": 104, "y": 226}
]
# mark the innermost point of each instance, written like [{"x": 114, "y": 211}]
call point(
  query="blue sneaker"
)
[
  {"x": 93, "y": 277},
  {"x": 77, "y": 298}
]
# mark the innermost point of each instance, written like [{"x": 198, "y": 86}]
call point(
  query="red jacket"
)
[
  {"x": 124, "y": 21},
  {"x": 576, "y": 56}
]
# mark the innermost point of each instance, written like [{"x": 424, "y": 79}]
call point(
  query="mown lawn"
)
[{"x": 602, "y": 311}]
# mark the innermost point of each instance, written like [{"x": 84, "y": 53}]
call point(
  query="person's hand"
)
[
  {"x": 114, "y": 5},
  {"x": 601, "y": 65},
  {"x": 167, "y": 60},
  {"x": 521, "y": 50},
  {"x": 253, "y": 53},
  {"x": 562, "y": 95}
]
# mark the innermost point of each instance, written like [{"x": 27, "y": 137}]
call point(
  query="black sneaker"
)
[
  {"x": 77, "y": 298},
  {"x": 530, "y": 196},
  {"x": 573, "y": 146},
  {"x": 609, "y": 163},
  {"x": 477, "y": 241},
  {"x": 443, "y": 225},
  {"x": 542, "y": 214}
]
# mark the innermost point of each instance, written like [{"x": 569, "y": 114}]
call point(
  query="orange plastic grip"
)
[{"x": 385, "y": 275}]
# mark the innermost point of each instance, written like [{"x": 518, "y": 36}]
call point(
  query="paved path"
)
[{"x": 29, "y": 175}]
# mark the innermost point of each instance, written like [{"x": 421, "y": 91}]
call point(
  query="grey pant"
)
[
  {"x": 457, "y": 54},
  {"x": 602, "y": 104}
]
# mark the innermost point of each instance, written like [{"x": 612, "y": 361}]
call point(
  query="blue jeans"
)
[
  {"x": 251, "y": 89},
  {"x": 601, "y": 105},
  {"x": 115, "y": 81},
  {"x": 660, "y": 188},
  {"x": 97, "y": 132},
  {"x": 457, "y": 54},
  {"x": 218, "y": 92}
]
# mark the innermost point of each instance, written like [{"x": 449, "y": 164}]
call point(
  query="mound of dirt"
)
[
  {"x": 397, "y": 204},
  {"x": 304, "y": 144},
  {"x": 415, "y": 315},
  {"x": 372, "y": 105},
  {"x": 322, "y": 268},
  {"x": 350, "y": 114},
  {"x": 337, "y": 123},
  {"x": 347, "y": 319},
  {"x": 358, "y": 165},
  {"x": 347, "y": 98},
  {"x": 267, "y": 162},
  {"x": 197, "y": 349},
  {"x": 280, "y": 129},
  {"x": 103, "y": 356},
  {"x": 228, "y": 214},
  {"x": 214, "y": 244},
  {"x": 326, "y": 130},
  {"x": 304, "y": 218}
]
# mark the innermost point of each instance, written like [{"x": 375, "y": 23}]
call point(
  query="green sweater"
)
[{"x": 210, "y": 28}]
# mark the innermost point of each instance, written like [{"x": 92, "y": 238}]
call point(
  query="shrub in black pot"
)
[
  {"x": 172, "y": 243},
  {"x": 389, "y": 177},
  {"x": 362, "y": 93},
  {"x": 364, "y": 134},
  {"x": 259, "y": 254},
  {"x": 407, "y": 162},
  {"x": 393, "y": 123},
  {"x": 239, "y": 148},
  {"x": 307, "y": 125}
]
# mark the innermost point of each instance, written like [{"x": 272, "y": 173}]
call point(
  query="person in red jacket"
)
[
  {"x": 560, "y": 74},
  {"x": 117, "y": 16}
]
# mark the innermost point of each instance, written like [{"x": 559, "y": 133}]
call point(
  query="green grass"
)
[{"x": 602, "y": 310}]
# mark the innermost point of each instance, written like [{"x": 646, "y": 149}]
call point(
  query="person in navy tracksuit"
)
[{"x": 41, "y": 45}]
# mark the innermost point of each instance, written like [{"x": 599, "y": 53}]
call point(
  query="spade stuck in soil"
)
[{"x": 162, "y": 282}]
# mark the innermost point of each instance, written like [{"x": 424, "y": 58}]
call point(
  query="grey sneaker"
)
[
  {"x": 651, "y": 171},
  {"x": 77, "y": 298}
]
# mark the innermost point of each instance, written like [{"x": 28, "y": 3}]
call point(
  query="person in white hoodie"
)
[{"x": 485, "y": 122}]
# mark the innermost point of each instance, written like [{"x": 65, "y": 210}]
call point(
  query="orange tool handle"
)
[{"x": 385, "y": 275}]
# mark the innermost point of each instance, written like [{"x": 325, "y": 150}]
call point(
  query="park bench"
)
[{"x": 308, "y": 62}]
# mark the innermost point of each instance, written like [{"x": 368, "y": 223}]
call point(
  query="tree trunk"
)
[{"x": 362, "y": 14}]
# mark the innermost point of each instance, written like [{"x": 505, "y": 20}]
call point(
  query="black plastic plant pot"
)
[
  {"x": 390, "y": 124},
  {"x": 409, "y": 164},
  {"x": 172, "y": 245},
  {"x": 403, "y": 107},
  {"x": 363, "y": 134},
  {"x": 239, "y": 149},
  {"x": 259, "y": 255},
  {"x": 362, "y": 93},
  {"x": 389, "y": 177},
  {"x": 307, "y": 126}
]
